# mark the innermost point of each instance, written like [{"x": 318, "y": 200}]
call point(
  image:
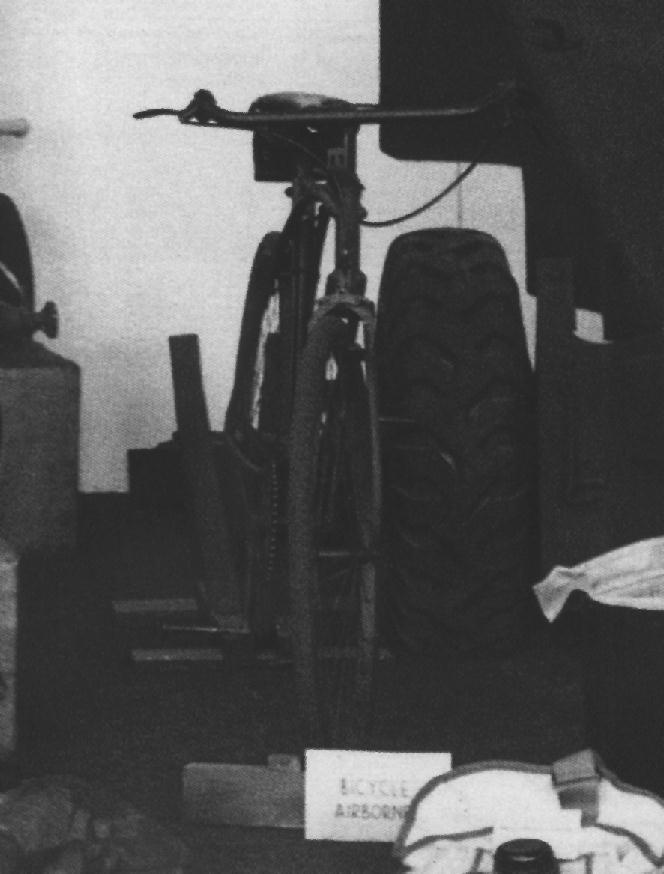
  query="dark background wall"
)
[{"x": 589, "y": 146}]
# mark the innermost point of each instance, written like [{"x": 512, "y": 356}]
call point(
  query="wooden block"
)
[
  {"x": 175, "y": 655},
  {"x": 39, "y": 400},
  {"x": 284, "y": 762},
  {"x": 269, "y": 796},
  {"x": 8, "y": 622}
]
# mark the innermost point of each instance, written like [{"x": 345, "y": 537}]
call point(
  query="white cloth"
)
[{"x": 632, "y": 576}]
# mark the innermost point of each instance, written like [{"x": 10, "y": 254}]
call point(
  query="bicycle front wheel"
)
[
  {"x": 333, "y": 518},
  {"x": 253, "y": 467}
]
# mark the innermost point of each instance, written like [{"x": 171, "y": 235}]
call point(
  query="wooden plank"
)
[
  {"x": 174, "y": 655},
  {"x": 220, "y": 584},
  {"x": 247, "y": 795},
  {"x": 155, "y": 606},
  {"x": 148, "y": 608},
  {"x": 8, "y": 623},
  {"x": 573, "y": 427}
]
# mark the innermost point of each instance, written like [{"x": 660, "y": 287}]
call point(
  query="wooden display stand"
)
[
  {"x": 216, "y": 614},
  {"x": 219, "y": 586},
  {"x": 268, "y": 796}
]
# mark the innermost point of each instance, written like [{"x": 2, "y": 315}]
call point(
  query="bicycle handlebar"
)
[{"x": 204, "y": 111}]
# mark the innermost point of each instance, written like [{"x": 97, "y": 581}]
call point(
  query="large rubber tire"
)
[
  {"x": 333, "y": 522},
  {"x": 251, "y": 464},
  {"x": 456, "y": 400},
  {"x": 17, "y": 289}
]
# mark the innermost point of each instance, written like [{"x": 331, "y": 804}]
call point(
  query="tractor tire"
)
[{"x": 458, "y": 431}]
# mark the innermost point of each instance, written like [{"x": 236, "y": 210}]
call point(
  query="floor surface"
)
[{"x": 84, "y": 709}]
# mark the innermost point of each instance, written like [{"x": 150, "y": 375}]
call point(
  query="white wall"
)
[{"x": 136, "y": 228}]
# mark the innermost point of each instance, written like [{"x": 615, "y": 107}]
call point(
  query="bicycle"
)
[{"x": 302, "y": 422}]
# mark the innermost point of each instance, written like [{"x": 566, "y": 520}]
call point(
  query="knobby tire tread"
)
[{"x": 460, "y": 491}]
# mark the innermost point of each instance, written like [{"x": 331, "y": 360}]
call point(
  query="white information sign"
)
[{"x": 352, "y": 795}]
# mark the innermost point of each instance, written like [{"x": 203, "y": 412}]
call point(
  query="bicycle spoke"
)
[{"x": 341, "y": 589}]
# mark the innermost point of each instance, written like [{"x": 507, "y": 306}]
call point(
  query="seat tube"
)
[{"x": 347, "y": 276}]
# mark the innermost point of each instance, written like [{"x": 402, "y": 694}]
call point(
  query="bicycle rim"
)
[{"x": 334, "y": 509}]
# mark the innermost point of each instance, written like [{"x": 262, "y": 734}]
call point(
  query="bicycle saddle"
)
[
  {"x": 293, "y": 101},
  {"x": 274, "y": 159}
]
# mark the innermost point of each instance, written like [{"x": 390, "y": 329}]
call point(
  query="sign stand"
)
[
  {"x": 343, "y": 795},
  {"x": 268, "y": 796}
]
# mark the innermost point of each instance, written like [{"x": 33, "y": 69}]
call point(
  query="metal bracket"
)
[{"x": 337, "y": 304}]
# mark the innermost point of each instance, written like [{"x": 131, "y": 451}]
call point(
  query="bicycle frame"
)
[{"x": 318, "y": 199}]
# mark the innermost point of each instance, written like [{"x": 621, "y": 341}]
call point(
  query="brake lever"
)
[{"x": 202, "y": 108}]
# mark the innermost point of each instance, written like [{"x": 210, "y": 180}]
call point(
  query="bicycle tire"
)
[
  {"x": 459, "y": 473},
  {"x": 333, "y": 522},
  {"x": 15, "y": 255},
  {"x": 253, "y": 470}
]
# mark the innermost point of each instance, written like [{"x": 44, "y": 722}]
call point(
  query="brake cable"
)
[
  {"x": 489, "y": 141},
  {"x": 386, "y": 223},
  {"x": 192, "y": 110}
]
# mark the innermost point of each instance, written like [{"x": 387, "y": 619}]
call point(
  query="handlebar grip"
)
[{"x": 153, "y": 113}]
